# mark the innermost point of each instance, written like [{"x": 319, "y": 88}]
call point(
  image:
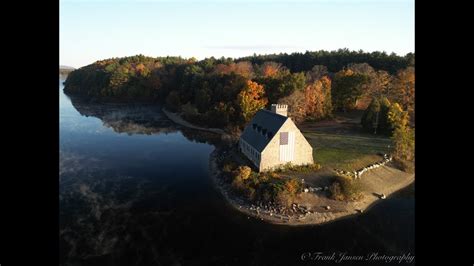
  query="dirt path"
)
[{"x": 180, "y": 121}]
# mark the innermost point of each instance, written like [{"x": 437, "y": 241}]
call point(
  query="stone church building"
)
[{"x": 271, "y": 139}]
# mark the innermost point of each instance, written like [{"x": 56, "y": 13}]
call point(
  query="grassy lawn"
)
[{"x": 345, "y": 151}]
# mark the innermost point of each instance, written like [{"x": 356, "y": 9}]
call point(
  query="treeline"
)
[
  {"x": 226, "y": 93},
  {"x": 65, "y": 71},
  {"x": 125, "y": 79},
  {"x": 336, "y": 60}
]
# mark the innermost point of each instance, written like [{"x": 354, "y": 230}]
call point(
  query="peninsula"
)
[{"x": 318, "y": 197}]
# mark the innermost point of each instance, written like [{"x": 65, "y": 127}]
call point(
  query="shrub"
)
[
  {"x": 229, "y": 167},
  {"x": 272, "y": 175},
  {"x": 297, "y": 168},
  {"x": 287, "y": 194},
  {"x": 255, "y": 179},
  {"x": 268, "y": 191},
  {"x": 243, "y": 172},
  {"x": 284, "y": 198},
  {"x": 250, "y": 193},
  {"x": 306, "y": 168},
  {"x": 346, "y": 189},
  {"x": 404, "y": 165},
  {"x": 238, "y": 185},
  {"x": 404, "y": 143},
  {"x": 266, "y": 195},
  {"x": 268, "y": 186},
  {"x": 292, "y": 186},
  {"x": 336, "y": 191},
  {"x": 282, "y": 191},
  {"x": 244, "y": 181}
]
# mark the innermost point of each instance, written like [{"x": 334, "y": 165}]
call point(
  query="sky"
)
[{"x": 92, "y": 30}]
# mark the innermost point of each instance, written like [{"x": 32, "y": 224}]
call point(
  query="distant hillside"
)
[
  {"x": 226, "y": 92},
  {"x": 64, "y": 70}
]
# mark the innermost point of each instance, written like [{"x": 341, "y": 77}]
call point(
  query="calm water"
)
[{"x": 135, "y": 190}]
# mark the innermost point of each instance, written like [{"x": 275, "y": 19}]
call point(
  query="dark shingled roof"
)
[{"x": 266, "y": 120}]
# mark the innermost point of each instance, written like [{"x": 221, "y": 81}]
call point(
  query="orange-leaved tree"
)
[
  {"x": 318, "y": 103},
  {"x": 270, "y": 69},
  {"x": 251, "y": 99},
  {"x": 403, "y": 88}
]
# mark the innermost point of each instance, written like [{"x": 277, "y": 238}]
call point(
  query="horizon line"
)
[{"x": 239, "y": 47}]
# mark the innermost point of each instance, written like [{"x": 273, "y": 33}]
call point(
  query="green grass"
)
[{"x": 347, "y": 152}]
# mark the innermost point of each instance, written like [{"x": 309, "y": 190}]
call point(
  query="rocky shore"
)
[{"x": 305, "y": 214}]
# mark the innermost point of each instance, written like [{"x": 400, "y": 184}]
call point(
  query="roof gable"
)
[{"x": 262, "y": 128}]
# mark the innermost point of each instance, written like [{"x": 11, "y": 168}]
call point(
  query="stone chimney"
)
[{"x": 281, "y": 109}]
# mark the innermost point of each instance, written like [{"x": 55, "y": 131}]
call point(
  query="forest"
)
[{"x": 226, "y": 93}]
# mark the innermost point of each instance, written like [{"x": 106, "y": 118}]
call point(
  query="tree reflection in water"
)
[{"x": 143, "y": 118}]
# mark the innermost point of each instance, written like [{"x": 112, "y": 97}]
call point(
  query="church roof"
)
[{"x": 262, "y": 128}]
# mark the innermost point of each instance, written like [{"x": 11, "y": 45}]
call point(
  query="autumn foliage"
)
[
  {"x": 244, "y": 69},
  {"x": 314, "y": 102},
  {"x": 226, "y": 92},
  {"x": 318, "y": 103},
  {"x": 251, "y": 99},
  {"x": 270, "y": 69},
  {"x": 403, "y": 89}
]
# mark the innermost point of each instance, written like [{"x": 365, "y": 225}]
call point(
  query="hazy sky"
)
[{"x": 91, "y": 30}]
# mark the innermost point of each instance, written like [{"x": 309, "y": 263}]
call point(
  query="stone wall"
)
[{"x": 358, "y": 174}]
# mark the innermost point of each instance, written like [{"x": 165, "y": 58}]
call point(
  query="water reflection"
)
[
  {"x": 133, "y": 119},
  {"x": 126, "y": 118}
]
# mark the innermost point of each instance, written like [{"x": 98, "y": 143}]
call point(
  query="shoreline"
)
[
  {"x": 180, "y": 121},
  {"x": 311, "y": 218}
]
